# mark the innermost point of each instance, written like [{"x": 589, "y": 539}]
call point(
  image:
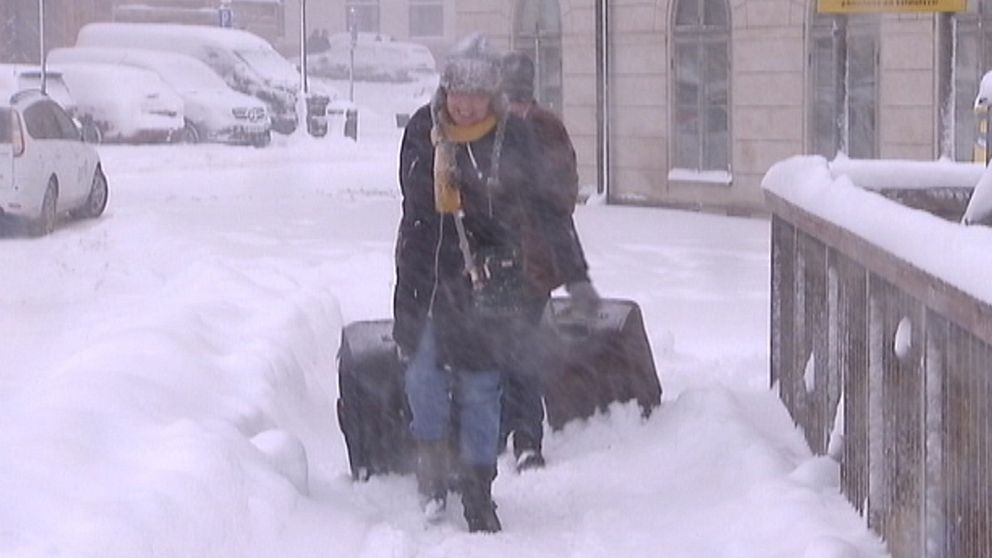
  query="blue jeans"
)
[{"x": 429, "y": 390}]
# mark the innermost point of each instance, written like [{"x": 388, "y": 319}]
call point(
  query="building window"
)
[
  {"x": 701, "y": 37},
  {"x": 537, "y": 32},
  {"x": 972, "y": 58},
  {"x": 363, "y": 14},
  {"x": 426, "y": 18},
  {"x": 843, "y": 114}
]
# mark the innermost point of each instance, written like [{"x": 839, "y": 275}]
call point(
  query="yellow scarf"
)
[
  {"x": 469, "y": 132},
  {"x": 447, "y": 198}
]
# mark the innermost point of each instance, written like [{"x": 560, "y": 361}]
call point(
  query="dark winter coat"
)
[
  {"x": 555, "y": 253},
  {"x": 430, "y": 276}
]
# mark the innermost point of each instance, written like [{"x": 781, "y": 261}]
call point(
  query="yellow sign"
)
[{"x": 863, "y": 6}]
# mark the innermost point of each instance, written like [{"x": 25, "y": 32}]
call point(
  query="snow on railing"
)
[{"x": 882, "y": 338}]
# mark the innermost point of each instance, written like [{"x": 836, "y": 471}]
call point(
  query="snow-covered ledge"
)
[{"x": 836, "y": 192}]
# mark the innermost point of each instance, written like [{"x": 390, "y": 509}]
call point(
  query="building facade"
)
[
  {"x": 680, "y": 103},
  {"x": 19, "y": 24},
  {"x": 428, "y": 22},
  {"x": 703, "y": 96}
]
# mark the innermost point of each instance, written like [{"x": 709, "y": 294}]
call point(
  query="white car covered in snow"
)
[
  {"x": 126, "y": 104},
  {"x": 246, "y": 62},
  {"x": 45, "y": 167},
  {"x": 213, "y": 111}
]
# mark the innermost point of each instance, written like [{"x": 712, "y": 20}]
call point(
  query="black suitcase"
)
[
  {"x": 589, "y": 363},
  {"x": 593, "y": 362},
  {"x": 372, "y": 408}
]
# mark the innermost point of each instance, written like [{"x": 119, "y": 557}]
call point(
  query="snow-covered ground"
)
[{"x": 165, "y": 367}]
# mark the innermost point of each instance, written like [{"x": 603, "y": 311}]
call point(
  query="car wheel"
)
[
  {"x": 284, "y": 125},
  {"x": 190, "y": 133},
  {"x": 262, "y": 140},
  {"x": 96, "y": 202},
  {"x": 45, "y": 223}
]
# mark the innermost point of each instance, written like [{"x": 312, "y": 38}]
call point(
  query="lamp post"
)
[
  {"x": 303, "y": 46},
  {"x": 538, "y": 66},
  {"x": 41, "y": 41},
  {"x": 603, "y": 162},
  {"x": 353, "y": 31}
]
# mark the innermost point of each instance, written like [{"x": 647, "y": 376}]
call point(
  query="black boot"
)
[
  {"x": 477, "y": 499},
  {"x": 432, "y": 477},
  {"x": 527, "y": 451}
]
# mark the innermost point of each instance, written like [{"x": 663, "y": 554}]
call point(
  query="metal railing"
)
[{"x": 898, "y": 361}]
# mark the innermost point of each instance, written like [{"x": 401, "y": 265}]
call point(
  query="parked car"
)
[
  {"x": 127, "y": 104},
  {"x": 377, "y": 58},
  {"x": 212, "y": 110},
  {"x": 45, "y": 167},
  {"x": 245, "y": 61}
]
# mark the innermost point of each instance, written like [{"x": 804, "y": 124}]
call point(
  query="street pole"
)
[
  {"x": 41, "y": 40},
  {"x": 303, "y": 46},
  {"x": 537, "y": 64},
  {"x": 353, "y": 30},
  {"x": 603, "y": 162}
]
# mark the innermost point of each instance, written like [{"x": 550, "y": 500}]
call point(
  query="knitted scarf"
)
[{"x": 446, "y": 136}]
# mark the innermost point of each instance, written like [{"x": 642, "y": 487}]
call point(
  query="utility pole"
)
[
  {"x": 41, "y": 41},
  {"x": 303, "y": 46},
  {"x": 603, "y": 97},
  {"x": 538, "y": 66},
  {"x": 353, "y": 30}
]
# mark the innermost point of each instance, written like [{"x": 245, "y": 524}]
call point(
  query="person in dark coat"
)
[
  {"x": 470, "y": 180},
  {"x": 555, "y": 250}
]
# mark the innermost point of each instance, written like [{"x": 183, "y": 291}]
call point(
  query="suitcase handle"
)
[{"x": 582, "y": 329}]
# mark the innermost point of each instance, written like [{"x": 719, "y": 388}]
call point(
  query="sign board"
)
[
  {"x": 889, "y": 6},
  {"x": 225, "y": 17}
]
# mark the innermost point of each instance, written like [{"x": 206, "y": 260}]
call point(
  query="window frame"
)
[
  {"x": 69, "y": 130},
  {"x": 548, "y": 55},
  {"x": 40, "y": 122},
  {"x": 975, "y": 28},
  {"x": 6, "y": 125},
  {"x": 415, "y": 5},
  {"x": 373, "y": 7},
  {"x": 691, "y": 150},
  {"x": 849, "y": 101}
]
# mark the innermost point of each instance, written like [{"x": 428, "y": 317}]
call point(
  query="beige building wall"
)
[
  {"x": 768, "y": 85},
  {"x": 908, "y": 88},
  {"x": 770, "y": 90},
  {"x": 639, "y": 110},
  {"x": 579, "y": 84}
]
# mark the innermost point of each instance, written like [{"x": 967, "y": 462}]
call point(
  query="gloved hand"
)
[
  {"x": 585, "y": 299},
  {"x": 402, "y": 356}
]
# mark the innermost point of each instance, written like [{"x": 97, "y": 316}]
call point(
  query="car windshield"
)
[
  {"x": 5, "y": 135},
  {"x": 191, "y": 76},
  {"x": 271, "y": 66}
]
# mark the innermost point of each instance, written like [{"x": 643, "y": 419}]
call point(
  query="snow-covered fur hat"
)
[
  {"x": 517, "y": 74},
  {"x": 472, "y": 67}
]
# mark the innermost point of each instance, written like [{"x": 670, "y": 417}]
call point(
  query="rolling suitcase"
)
[
  {"x": 596, "y": 361},
  {"x": 372, "y": 409}
]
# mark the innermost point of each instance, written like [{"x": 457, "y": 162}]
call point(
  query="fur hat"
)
[
  {"x": 471, "y": 67},
  {"x": 517, "y": 76}
]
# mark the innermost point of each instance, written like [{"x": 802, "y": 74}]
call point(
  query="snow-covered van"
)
[
  {"x": 247, "y": 62},
  {"x": 213, "y": 111}
]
